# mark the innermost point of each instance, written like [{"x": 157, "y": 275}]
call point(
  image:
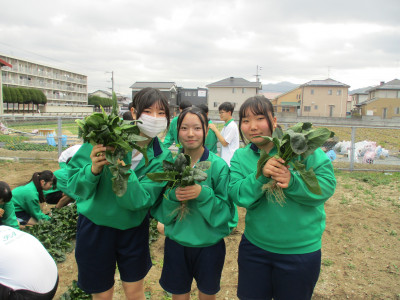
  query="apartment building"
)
[{"x": 61, "y": 87}]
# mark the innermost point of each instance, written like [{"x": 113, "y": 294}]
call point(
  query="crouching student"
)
[
  {"x": 27, "y": 198},
  {"x": 280, "y": 251},
  {"x": 194, "y": 243},
  {"x": 27, "y": 271},
  {"x": 7, "y": 210},
  {"x": 114, "y": 230}
]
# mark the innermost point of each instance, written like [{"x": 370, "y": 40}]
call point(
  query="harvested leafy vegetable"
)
[
  {"x": 181, "y": 174},
  {"x": 110, "y": 130},
  {"x": 298, "y": 140},
  {"x": 57, "y": 233}
]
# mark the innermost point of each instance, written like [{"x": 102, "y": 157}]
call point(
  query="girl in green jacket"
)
[
  {"x": 280, "y": 251},
  {"x": 7, "y": 210},
  {"x": 27, "y": 198},
  {"x": 114, "y": 230},
  {"x": 194, "y": 244}
]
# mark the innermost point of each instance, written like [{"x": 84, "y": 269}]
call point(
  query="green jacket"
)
[
  {"x": 172, "y": 134},
  {"x": 26, "y": 198},
  {"x": 9, "y": 217},
  {"x": 62, "y": 179},
  {"x": 211, "y": 140},
  {"x": 98, "y": 202},
  {"x": 297, "y": 226},
  {"x": 207, "y": 221}
]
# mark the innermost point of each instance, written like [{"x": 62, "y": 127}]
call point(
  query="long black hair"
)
[
  {"x": 47, "y": 176},
  {"x": 5, "y": 192},
  {"x": 200, "y": 114},
  {"x": 258, "y": 105},
  {"x": 147, "y": 97}
]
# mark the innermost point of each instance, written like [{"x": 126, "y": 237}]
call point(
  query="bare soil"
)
[{"x": 360, "y": 258}]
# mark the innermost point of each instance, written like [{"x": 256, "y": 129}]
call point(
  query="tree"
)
[{"x": 6, "y": 95}]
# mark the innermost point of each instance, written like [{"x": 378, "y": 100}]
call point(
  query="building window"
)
[
  {"x": 307, "y": 108},
  {"x": 315, "y": 107},
  {"x": 312, "y": 91},
  {"x": 338, "y": 92},
  {"x": 397, "y": 110},
  {"x": 243, "y": 90},
  {"x": 285, "y": 109},
  {"x": 329, "y": 92},
  {"x": 215, "y": 104},
  {"x": 233, "y": 90}
]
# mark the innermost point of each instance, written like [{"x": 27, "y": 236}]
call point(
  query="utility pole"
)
[
  {"x": 257, "y": 75},
  {"x": 112, "y": 82}
]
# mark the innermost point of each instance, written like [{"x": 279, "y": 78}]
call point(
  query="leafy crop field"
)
[{"x": 360, "y": 252}]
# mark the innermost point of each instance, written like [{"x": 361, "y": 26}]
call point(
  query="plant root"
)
[{"x": 274, "y": 193}]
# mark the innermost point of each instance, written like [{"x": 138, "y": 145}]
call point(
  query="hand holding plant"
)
[
  {"x": 293, "y": 147},
  {"x": 181, "y": 174},
  {"x": 110, "y": 132}
]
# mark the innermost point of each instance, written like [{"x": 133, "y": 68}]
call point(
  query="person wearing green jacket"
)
[
  {"x": 211, "y": 138},
  {"x": 27, "y": 198},
  {"x": 7, "y": 210},
  {"x": 280, "y": 251},
  {"x": 172, "y": 133},
  {"x": 194, "y": 243},
  {"x": 114, "y": 230}
]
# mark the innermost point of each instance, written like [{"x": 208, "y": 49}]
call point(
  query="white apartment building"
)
[{"x": 61, "y": 87}]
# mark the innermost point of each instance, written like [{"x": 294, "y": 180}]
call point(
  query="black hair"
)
[
  {"x": 203, "y": 107},
  {"x": 127, "y": 115},
  {"x": 47, "y": 176},
  {"x": 258, "y": 105},
  {"x": 226, "y": 106},
  {"x": 184, "y": 104},
  {"x": 147, "y": 97},
  {"x": 200, "y": 114},
  {"x": 5, "y": 192}
]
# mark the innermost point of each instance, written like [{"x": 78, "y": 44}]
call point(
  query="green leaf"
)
[
  {"x": 203, "y": 165},
  {"x": 163, "y": 176},
  {"x": 168, "y": 166},
  {"x": 298, "y": 142},
  {"x": 316, "y": 138},
  {"x": 264, "y": 157},
  {"x": 308, "y": 177}
]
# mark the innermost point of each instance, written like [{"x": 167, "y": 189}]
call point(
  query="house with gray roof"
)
[
  {"x": 169, "y": 89},
  {"x": 383, "y": 101},
  {"x": 316, "y": 98},
  {"x": 231, "y": 89}
]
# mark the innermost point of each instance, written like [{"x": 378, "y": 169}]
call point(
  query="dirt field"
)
[{"x": 360, "y": 259}]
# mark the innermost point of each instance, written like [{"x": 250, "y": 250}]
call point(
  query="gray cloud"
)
[{"x": 198, "y": 42}]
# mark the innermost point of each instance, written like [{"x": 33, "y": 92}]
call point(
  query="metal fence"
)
[{"x": 353, "y": 148}]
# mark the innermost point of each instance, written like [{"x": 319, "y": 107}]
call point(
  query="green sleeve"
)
[
  {"x": 143, "y": 193},
  {"x": 171, "y": 136},
  {"x": 34, "y": 210},
  {"x": 9, "y": 217},
  {"x": 81, "y": 181},
  {"x": 245, "y": 189},
  {"x": 166, "y": 208},
  {"x": 323, "y": 169},
  {"x": 213, "y": 202}
]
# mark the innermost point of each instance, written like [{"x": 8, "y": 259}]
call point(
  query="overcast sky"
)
[{"x": 195, "y": 43}]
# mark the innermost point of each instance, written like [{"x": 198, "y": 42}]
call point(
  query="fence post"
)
[
  {"x": 59, "y": 134},
  {"x": 352, "y": 148}
]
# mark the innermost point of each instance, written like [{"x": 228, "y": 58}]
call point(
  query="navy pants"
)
[{"x": 266, "y": 275}]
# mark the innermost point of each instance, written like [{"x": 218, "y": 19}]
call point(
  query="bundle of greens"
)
[
  {"x": 110, "y": 130},
  {"x": 298, "y": 140},
  {"x": 181, "y": 174}
]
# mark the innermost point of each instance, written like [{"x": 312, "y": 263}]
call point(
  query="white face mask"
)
[{"x": 152, "y": 126}]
